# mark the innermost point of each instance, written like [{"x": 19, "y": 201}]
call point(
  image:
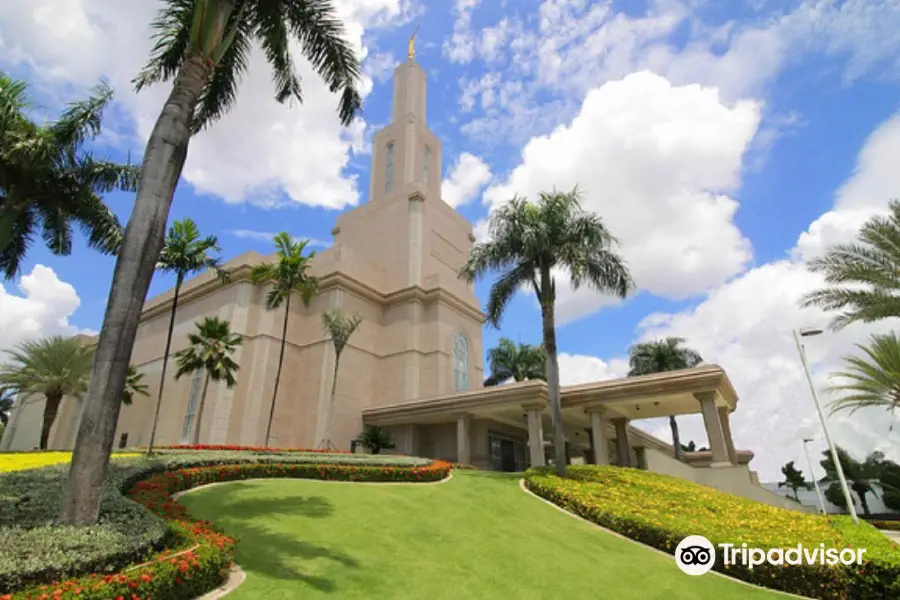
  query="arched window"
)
[
  {"x": 389, "y": 169},
  {"x": 425, "y": 160},
  {"x": 460, "y": 363},
  {"x": 187, "y": 430}
]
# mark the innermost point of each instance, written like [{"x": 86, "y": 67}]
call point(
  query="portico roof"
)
[{"x": 642, "y": 397}]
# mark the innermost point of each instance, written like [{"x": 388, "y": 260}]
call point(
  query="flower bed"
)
[
  {"x": 34, "y": 553},
  {"x": 660, "y": 511},
  {"x": 233, "y": 448},
  {"x": 21, "y": 461}
]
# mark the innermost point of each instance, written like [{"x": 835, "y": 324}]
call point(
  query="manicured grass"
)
[{"x": 476, "y": 536}]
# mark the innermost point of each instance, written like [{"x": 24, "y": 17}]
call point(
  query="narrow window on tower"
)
[
  {"x": 389, "y": 169},
  {"x": 426, "y": 159},
  {"x": 460, "y": 363}
]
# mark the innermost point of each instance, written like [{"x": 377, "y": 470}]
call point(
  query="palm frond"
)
[{"x": 172, "y": 26}]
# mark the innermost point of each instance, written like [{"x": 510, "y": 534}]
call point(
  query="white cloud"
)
[
  {"x": 578, "y": 368},
  {"x": 656, "y": 162},
  {"x": 257, "y": 153},
  {"x": 467, "y": 178},
  {"x": 745, "y": 326},
  {"x": 43, "y": 308},
  {"x": 461, "y": 46}
]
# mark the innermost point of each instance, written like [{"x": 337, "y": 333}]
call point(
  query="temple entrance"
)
[{"x": 507, "y": 454}]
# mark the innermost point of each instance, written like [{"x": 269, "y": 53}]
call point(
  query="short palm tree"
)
[
  {"x": 184, "y": 253},
  {"x": 289, "y": 274},
  {"x": 134, "y": 386},
  {"x": 519, "y": 363},
  {"x": 53, "y": 367},
  {"x": 209, "y": 350},
  {"x": 794, "y": 480},
  {"x": 49, "y": 181},
  {"x": 667, "y": 354},
  {"x": 859, "y": 476},
  {"x": 862, "y": 276},
  {"x": 529, "y": 243},
  {"x": 204, "y": 48},
  {"x": 871, "y": 380},
  {"x": 376, "y": 439},
  {"x": 339, "y": 327}
]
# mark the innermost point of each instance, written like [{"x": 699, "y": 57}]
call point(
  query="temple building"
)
[{"x": 414, "y": 365}]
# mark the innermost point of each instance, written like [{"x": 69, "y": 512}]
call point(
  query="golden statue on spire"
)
[{"x": 411, "y": 51}]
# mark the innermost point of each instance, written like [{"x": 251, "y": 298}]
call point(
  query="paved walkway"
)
[{"x": 894, "y": 535}]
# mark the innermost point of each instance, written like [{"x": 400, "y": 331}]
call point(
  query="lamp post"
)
[
  {"x": 809, "y": 332},
  {"x": 813, "y": 475}
]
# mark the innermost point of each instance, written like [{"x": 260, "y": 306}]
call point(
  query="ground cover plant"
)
[
  {"x": 660, "y": 511},
  {"x": 21, "y": 461},
  {"x": 35, "y": 551}
]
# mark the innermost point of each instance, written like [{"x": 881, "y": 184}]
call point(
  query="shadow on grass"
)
[{"x": 276, "y": 554}]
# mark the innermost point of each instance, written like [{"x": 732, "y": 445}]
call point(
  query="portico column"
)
[
  {"x": 463, "y": 443},
  {"x": 714, "y": 433},
  {"x": 598, "y": 436},
  {"x": 622, "y": 445},
  {"x": 535, "y": 434},
  {"x": 725, "y": 420}
]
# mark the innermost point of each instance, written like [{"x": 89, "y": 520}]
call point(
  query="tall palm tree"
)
[
  {"x": 859, "y": 476},
  {"x": 872, "y": 380},
  {"x": 530, "y": 243},
  {"x": 520, "y": 363},
  {"x": 48, "y": 181},
  {"x": 184, "y": 253},
  {"x": 203, "y": 46},
  {"x": 339, "y": 327},
  {"x": 53, "y": 367},
  {"x": 794, "y": 480},
  {"x": 667, "y": 354},
  {"x": 862, "y": 275},
  {"x": 288, "y": 274},
  {"x": 210, "y": 350}
]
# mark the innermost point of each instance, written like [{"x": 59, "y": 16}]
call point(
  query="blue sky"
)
[{"x": 723, "y": 145}]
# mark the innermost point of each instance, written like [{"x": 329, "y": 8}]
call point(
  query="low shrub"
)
[
  {"x": 463, "y": 467},
  {"x": 21, "y": 461},
  {"x": 33, "y": 550},
  {"x": 233, "y": 448},
  {"x": 660, "y": 511},
  {"x": 886, "y": 525}
]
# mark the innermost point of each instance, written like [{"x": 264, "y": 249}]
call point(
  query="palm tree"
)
[
  {"x": 376, "y": 439},
  {"x": 48, "y": 181},
  {"x": 289, "y": 274},
  {"x": 872, "y": 380},
  {"x": 519, "y": 363},
  {"x": 862, "y": 275},
  {"x": 530, "y": 243},
  {"x": 53, "y": 367},
  {"x": 889, "y": 478},
  {"x": 134, "y": 386},
  {"x": 859, "y": 476},
  {"x": 210, "y": 350},
  {"x": 184, "y": 253},
  {"x": 667, "y": 354},
  {"x": 203, "y": 46},
  {"x": 340, "y": 327},
  {"x": 794, "y": 480}
]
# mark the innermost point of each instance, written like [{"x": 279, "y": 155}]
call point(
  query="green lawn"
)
[{"x": 476, "y": 536}]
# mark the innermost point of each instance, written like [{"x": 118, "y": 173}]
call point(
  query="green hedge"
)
[
  {"x": 33, "y": 550},
  {"x": 660, "y": 511}
]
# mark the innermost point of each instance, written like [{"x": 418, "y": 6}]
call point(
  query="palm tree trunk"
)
[
  {"x": 287, "y": 313},
  {"x": 863, "y": 502},
  {"x": 143, "y": 240},
  {"x": 329, "y": 412},
  {"x": 162, "y": 378},
  {"x": 196, "y": 436},
  {"x": 549, "y": 333},
  {"x": 676, "y": 439},
  {"x": 51, "y": 409}
]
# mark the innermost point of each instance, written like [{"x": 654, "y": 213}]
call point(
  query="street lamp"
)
[
  {"x": 809, "y": 332},
  {"x": 813, "y": 475}
]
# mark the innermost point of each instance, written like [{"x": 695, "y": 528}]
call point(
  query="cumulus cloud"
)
[
  {"x": 578, "y": 368},
  {"x": 259, "y": 153},
  {"x": 461, "y": 47},
  {"x": 466, "y": 179},
  {"x": 43, "y": 308},
  {"x": 656, "y": 162}
]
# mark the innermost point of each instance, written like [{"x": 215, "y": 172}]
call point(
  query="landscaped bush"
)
[
  {"x": 886, "y": 525},
  {"x": 33, "y": 551},
  {"x": 20, "y": 461},
  {"x": 660, "y": 511},
  {"x": 233, "y": 448}
]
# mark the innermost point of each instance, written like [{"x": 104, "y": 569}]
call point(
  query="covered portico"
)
[{"x": 596, "y": 418}]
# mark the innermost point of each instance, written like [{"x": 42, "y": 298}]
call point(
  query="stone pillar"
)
[
  {"x": 599, "y": 442},
  {"x": 622, "y": 445},
  {"x": 535, "y": 435},
  {"x": 725, "y": 420},
  {"x": 463, "y": 441},
  {"x": 714, "y": 433}
]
